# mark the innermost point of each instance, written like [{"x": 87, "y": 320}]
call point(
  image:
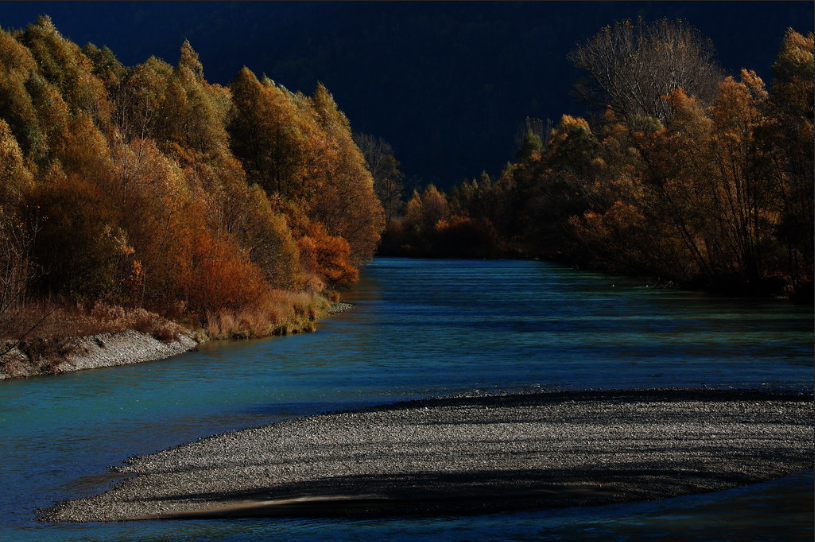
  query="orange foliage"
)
[
  {"x": 223, "y": 277},
  {"x": 150, "y": 186},
  {"x": 327, "y": 257}
]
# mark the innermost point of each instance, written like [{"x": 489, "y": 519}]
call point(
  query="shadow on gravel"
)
[
  {"x": 542, "y": 450},
  {"x": 431, "y": 493}
]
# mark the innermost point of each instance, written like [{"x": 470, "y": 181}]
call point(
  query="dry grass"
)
[
  {"x": 50, "y": 320},
  {"x": 278, "y": 313}
]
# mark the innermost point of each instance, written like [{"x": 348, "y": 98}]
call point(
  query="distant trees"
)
[
  {"x": 438, "y": 225},
  {"x": 150, "y": 186},
  {"x": 705, "y": 197},
  {"x": 700, "y": 199}
]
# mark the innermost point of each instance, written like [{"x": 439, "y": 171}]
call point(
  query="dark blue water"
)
[{"x": 421, "y": 328}]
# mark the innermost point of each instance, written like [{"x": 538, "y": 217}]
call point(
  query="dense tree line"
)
[
  {"x": 150, "y": 186},
  {"x": 684, "y": 174}
]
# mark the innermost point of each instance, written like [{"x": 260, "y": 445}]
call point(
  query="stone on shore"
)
[
  {"x": 93, "y": 352},
  {"x": 471, "y": 455}
]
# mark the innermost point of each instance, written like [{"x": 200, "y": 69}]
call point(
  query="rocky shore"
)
[
  {"x": 62, "y": 355},
  {"x": 45, "y": 357},
  {"x": 471, "y": 455}
]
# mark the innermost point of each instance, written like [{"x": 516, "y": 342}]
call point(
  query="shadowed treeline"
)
[{"x": 681, "y": 174}]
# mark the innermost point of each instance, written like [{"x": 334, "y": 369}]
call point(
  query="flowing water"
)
[{"x": 420, "y": 328}]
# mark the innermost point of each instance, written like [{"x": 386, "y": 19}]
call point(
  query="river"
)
[{"x": 420, "y": 328}]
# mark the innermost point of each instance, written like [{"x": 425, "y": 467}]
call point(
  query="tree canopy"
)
[
  {"x": 688, "y": 176},
  {"x": 150, "y": 186}
]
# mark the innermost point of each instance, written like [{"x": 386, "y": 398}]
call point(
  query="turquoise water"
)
[{"x": 420, "y": 328}]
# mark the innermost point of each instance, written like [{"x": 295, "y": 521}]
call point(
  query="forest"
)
[
  {"x": 133, "y": 194},
  {"x": 681, "y": 174},
  {"x": 143, "y": 196}
]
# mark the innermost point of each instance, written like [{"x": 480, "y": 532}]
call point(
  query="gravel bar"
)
[
  {"x": 94, "y": 352},
  {"x": 470, "y": 454}
]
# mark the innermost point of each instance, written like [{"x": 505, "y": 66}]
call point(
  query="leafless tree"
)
[
  {"x": 632, "y": 66},
  {"x": 16, "y": 272}
]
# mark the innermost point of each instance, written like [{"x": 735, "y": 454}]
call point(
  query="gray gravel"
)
[
  {"x": 338, "y": 308},
  {"x": 94, "y": 352},
  {"x": 471, "y": 454}
]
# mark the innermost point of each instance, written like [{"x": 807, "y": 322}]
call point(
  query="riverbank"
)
[
  {"x": 471, "y": 455},
  {"x": 56, "y": 355}
]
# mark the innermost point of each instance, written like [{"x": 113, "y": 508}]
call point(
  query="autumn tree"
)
[
  {"x": 63, "y": 65},
  {"x": 415, "y": 233},
  {"x": 530, "y": 145},
  {"x": 745, "y": 198},
  {"x": 17, "y": 66},
  {"x": 78, "y": 243},
  {"x": 15, "y": 177},
  {"x": 141, "y": 98},
  {"x": 346, "y": 203},
  {"x": 223, "y": 276},
  {"x": 791, "y": 107},
  {"x": 426, "y": 209},
  {"x": 265, "y": 134},
  {"x": 271, "y": 244},
  {"x": 539, "y": 127},
  {"x": 106, "y": 66},
  {"x": 327, "y": 256},
  {"x": 554, "y": 185},
  {"x": 300, "y": 149},
  {"x": 194, "y": 111},
  {"x": 16, "y": 236}
]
